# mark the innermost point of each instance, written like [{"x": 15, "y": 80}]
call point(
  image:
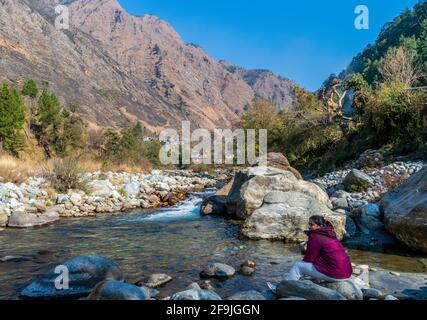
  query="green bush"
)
[
  {"x": 65, "y": 174},
  {"x": 394, "y": 115}
]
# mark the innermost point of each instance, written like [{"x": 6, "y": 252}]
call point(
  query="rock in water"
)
[
  {"x": 216, "y": 205},
  {"x": 347, "y": 288},
  {"x": 405, "y": 211},
  {"x": 247, "y": 296},
  {"x": 196, "y": 295},
  {"x": 157, "y": 280},
  {"x": 370, "y": 293},
  {"x": 84, "y": 272},
  {"x": 116, "y": 290},
  {"x": 218, "y": 270},
  {"x": 252, "y": 185},
  {"x": 357, "y": 181},
  {"x": 306, "y": 289},
  {"x": 27, "y": 220},
  {"x": 284, "y": 216}
]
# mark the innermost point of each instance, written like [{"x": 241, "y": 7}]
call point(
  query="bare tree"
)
[{"x": 399, "y": 66}]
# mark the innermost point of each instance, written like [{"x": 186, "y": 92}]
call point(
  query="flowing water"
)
[{"x": 177, "y": 241}]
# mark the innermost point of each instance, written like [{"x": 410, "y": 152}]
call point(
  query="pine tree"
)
[
  {"x": 30, "y": 89},
  {"x": 12, "y": 119}
]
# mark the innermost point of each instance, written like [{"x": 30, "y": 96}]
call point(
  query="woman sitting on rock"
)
[{"x": 325, "y": 258}]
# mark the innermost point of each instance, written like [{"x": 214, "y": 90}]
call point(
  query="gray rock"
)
[
  {"x": 406, "y": 286},
  {"x": 391, "y": 298},
  {"x": 357, "y": 181},
  {"x": 194, "y": 286},
  {"x": 405, "y": 211},
  {"x": 23, "y": 220},
  {"x": 350, "y": 227},
  {"x": 157, "y": 280},
  {"x": 284, "y": 216},
  {"x": 306, "y": 289},
  {"x": 252, "y": 185},
  {"x": 132, "y": 189},
  {"x": 371, "y": 293},
  {"x": 218, "y": 270},
  {"x": 247, "y": 296},
  {"x": 116, "y": 290},
  {"x": 85, "y": 272},
  {"x": 214, "y": 205},
  {"x": 76, "y": 199},
  {"x": 247, "y": 271},
  {"x": 101, "y": 188},
  {"x": 347, "y": 288},
  {"x": 62, "y": 198},
  {"x": 339, "y": 203},
  {"x": 196, "y": 295}
]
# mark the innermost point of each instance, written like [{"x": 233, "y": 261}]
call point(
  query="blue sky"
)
[{"x": 304, "y": 40}]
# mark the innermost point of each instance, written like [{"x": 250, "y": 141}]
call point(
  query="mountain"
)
[
  {"x": 266, "y": 85},
  {"x": 114, "y": 67}
]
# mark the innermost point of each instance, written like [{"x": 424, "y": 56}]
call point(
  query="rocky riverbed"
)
[{"x": 35, "y": 203}]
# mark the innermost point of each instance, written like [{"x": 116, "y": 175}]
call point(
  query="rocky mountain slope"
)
[{"x": 115, "y": 68}]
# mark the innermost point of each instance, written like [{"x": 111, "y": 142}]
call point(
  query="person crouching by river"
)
[{"x": 325, "y": 258}]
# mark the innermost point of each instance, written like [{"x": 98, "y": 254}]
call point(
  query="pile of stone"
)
[
  {"x": 35, "y": 203},
  {"x": 375, "y": 179}
]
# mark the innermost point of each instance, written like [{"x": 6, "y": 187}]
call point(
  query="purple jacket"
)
[{"x": 327, "y": 254}]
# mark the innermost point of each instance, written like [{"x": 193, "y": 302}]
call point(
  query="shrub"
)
[
  {"x": 65, "y": 174},
  {"x": 394, "y": 115}
]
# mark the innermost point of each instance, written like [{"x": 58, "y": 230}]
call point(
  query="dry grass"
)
[{"x": 16, "y": 170}]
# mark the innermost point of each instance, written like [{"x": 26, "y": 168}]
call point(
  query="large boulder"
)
[
  {"x": 195, "y": 294},
  {"x": 405, "y": 211},
  {"x": 84, "y": 273},
  {"x": 251, "y": 186},
  {"x": 357, "y": 181},
  {"x": 279, "y": 161},
  {"x": 306, "y": 289},
  {"x": 285, "y": 215},
  {"x": 117, "y": 290}
]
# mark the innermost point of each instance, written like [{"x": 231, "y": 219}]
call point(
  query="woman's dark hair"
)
[{"x": 321, "y": 221}]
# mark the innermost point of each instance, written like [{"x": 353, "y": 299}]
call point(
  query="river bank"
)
[{"x": 35, "y": 203}]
